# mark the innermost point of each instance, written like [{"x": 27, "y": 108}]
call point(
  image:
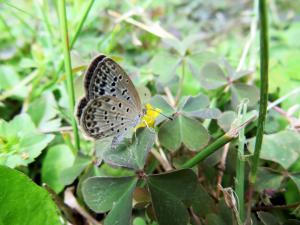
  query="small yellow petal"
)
[{"x": 149, "y": 118}]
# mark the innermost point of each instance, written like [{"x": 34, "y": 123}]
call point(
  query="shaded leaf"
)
[
  {"x": 101, "y": 193},
  {"x": 180, "y": 183},
  {"x": 214, "y": 219},
  {"x": 226, "y": 119},
  {"x": 34, "y": 204},
  {"x": 281, "y": 147},
  {"x": 184, "y": 130},
  {"x": 58, "y": 158},
  {"x": 267, "y": 179},
  {"x": 212, "y": 76},
  {"x": 43, "y": 112},
  {"x": 132, "y": 155},
  {"x": 243, "y": 91},
  {"x": 267, "y": 218},
  {"x": 120, "y": 214},
  {"x": 68, "y": 175}
]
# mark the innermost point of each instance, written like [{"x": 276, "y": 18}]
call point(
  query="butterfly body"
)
[{"x": 111, "y": 105}]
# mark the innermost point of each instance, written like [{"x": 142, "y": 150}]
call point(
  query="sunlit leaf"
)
[{"x": 24, "y": 202}]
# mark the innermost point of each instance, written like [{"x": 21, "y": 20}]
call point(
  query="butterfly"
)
[{"x": 111, "y": 105}]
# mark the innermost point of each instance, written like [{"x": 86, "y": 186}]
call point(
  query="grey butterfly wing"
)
[
  {"x": 108, "y": 116},
  {"x": 105, "y": 77}
]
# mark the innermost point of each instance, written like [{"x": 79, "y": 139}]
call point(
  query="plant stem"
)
[
  {"x": 264, "y": 66},
  {"x": 68, "y": 67},
  {"x": 240, "y": 164},
  {"x": 216, "y": 145}
]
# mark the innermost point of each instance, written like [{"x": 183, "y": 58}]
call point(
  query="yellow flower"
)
[{"x": 150, "y": 116}]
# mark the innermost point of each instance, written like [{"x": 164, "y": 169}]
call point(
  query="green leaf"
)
[
  {"x": 120, "y": 214},
  {"x": 198, "y": 199},
  {"x": 195, "y": 103},
  {"x": 43, "y": 112},
  {"x": 281, "y": 147},
  {"x": 268, "y": 179},
  {"x": 132, "y": 155},
  {"x": 180, "y": 183},
  {"x": 10, "y": 78},
  {"x": 139, "y": 221},
  {"x": 101, "y": 193},
  {"x": 214, "y": 219},
  {"x": 168, "y": 209},
  {"x": 58, "y": 158},
  {"x": 226, "y": 119},
  {"x": 243, "y": 91},
  {"x": 68, "y": 175},
  {"x": 22, "y": 202},
  {"x": 184, "y": 130},
  {"x": 164, "y": 65},
  {"x": 212, "y": 76},
  {"x": 159, "y": 101},
  {"x": 20, "y": 142},
  {"x": 296, "y": 179},
  {"x": 196, "y": 107},
  {"x": 267, "y": 218}
]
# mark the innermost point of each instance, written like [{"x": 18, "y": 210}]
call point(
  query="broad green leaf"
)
[
  {"x": 243, "y": 91},
  {"x": 205, "y": 113},
  {"x": 22, "y": 202},
  {"x": 164, "y": 64},
  {"x": 168, "y": 208},
  {"x": 212, "y": 76},
  {"x": 296, "y": 179},
  {"x": 43, "y": 112},
  {"x": 158, "y": 101},
  {"x": 58, "y": 158},
  {"x": 68, "y": 175},
  {"x": 195, "y": 103},
  {"x": 214, "y": 219},
  {"x": 226, "y": 119},
  {"x": 20, "y": 142},
  {"x": 180, "y": 183},
  {"x": 101, "y": 193},
  {"x": 198, "y": 199},
  {"x": 268, "y": 179},
  {"x": 132, "y": 155},
  {"x": 268, "y": 218},
  {"x": 184, "y": 130},
  {"x": 281, "y": 147},
  {"x": 120, "y": 214},
  {"x": 169, "y": 134}
]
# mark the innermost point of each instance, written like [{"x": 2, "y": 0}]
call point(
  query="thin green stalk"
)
[
  {"x": 68, "y": 67},
  {"x": 216, "y": 145},
  {"x": 240, "y": 164},
  {"x": 264, "y": 66}
]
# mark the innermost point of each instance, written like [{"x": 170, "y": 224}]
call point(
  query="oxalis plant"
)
[{"x": 171, "y": 197}]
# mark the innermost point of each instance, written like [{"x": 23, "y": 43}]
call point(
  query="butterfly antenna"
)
[{"x": 168, "y": 117}]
